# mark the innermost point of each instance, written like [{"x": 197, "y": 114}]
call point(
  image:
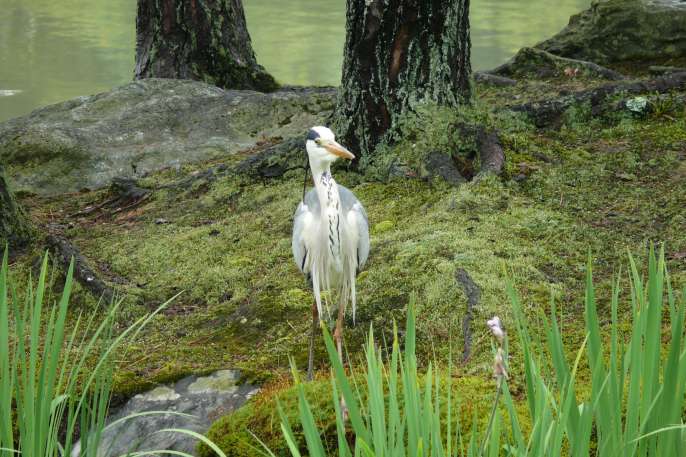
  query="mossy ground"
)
[{"x": 604, "y": 186}]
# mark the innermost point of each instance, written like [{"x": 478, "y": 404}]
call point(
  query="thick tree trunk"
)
[
  {"x": 206, "y": 40},
  {"x": 15, "y": 229},
  {"x": 399, "y": 53}
]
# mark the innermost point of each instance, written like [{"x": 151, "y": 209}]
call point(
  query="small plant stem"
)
[{"x": 490, "y": 420}]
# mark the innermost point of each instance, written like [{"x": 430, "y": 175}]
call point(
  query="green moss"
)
[{"x": 383, "y": 226}]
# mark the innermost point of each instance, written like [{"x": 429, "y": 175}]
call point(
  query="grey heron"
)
[{"x": 330, "y": 234}]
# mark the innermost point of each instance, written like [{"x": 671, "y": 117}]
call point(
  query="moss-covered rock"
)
[
  {"x": 623, "y": 30},
  {"x": 146, "y": 126}
]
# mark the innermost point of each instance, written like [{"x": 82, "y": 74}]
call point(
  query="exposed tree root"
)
[
  {"x": 546, "y": 113},
  {"x": 663, "y": 70},
  {"x": 125, "y": 194},
  {"x": 491, "y": 153},
  {"x": 64, "y": 251},
  {"x": 473, "y": 293},
  {"x": 275, "y": 160}
]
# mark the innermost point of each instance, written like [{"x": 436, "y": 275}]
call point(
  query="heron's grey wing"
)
[
  {"x": 302, "y": 223},
  {"x": 357, "y": 217}
]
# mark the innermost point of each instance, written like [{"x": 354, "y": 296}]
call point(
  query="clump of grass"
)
[
  {"x": 402, "y": 412},
  {"x": 635, "y": 406},
  {"x": 55, "y": 382}
]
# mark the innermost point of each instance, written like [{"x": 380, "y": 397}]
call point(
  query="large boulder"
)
[
  {"x": 147, "y": 125},
  {"x": 623, "y": 30}
]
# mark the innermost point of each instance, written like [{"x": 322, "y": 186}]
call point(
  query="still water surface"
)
[{"x": 53, "y": 50}]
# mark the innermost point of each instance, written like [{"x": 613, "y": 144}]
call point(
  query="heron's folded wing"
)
[
  {"x": 301, "y": 226},
  {"x": 358, "y": 216}
]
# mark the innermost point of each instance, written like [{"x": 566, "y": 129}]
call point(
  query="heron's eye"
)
[{"x": 318, "y": 141}]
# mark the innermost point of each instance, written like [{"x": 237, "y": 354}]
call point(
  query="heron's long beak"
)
[{"x": 338, "y": 150}]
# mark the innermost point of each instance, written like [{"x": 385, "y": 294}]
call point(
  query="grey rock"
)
[
  {"x": 205, "y": 398},
  {"x": 145, "y": 126},
  {"x": 623, "y": 30}
]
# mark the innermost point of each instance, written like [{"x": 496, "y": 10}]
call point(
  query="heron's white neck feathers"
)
[
  {"x": 330, "y": 205},
  {"x": 319, "y": 167}
]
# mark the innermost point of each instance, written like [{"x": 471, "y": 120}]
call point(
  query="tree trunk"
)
[
  {"x": 206, "y": 40},
  {"x": 399, "y": 53},
  {"x": 15, "y": 229}
]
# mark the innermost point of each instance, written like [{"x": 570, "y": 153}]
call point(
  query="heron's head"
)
[{"x": 322, "y": 147}]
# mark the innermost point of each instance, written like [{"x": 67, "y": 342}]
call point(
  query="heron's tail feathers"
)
[{"x": 343, "y": 283}]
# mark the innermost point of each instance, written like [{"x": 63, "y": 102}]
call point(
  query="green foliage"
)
[
  {"x": 236, "y": 432},
  {"x": 635, "y": 407},
  {"x": 401, "y": 414},
  {"x": 39, "y": 378},
  {"x": 55, "y": 381}
]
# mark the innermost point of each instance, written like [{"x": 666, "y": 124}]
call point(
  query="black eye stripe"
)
[{"x": 312, "y": 135}]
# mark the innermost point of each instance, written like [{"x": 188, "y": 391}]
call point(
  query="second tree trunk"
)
[{"x": 399, "y": 53}]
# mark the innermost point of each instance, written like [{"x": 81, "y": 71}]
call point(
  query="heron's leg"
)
[
  {"x": 310, "y": 358},
  {"x": 338, "y": 335}
]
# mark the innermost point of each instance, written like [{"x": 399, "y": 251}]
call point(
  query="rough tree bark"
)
[
  {"x": 206, "y": 40},
  {"x": 398, "y": 53},
  {"x": 15, "y": 229}
]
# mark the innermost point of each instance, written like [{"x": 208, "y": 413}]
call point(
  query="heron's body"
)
[
  {"x": 331, "y": 239},
  {"x": 330, "y": 232}
]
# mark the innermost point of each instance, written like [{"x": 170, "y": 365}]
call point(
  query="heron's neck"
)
[
  {"x": 327, "y": 191},
  {"x": 325, "y": 185},
  {"x": 319, "y": 168}
]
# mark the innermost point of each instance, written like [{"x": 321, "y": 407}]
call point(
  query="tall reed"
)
[
  {"x": 55, "y": 382},
  {"x": 635, "y": 406}
]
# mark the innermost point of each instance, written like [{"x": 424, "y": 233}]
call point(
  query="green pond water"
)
[{"x": 54, "y": 50}]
